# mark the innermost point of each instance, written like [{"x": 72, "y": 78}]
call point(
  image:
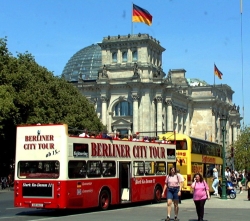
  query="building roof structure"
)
[{"x": 84, "y": 64}]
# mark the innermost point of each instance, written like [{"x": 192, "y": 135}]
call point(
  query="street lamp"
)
[{"x": 223, "y": 121}]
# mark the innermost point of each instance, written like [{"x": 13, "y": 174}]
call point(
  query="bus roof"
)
[{"x": 179, "y": 136}]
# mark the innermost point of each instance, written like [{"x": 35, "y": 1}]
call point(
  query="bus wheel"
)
[
  {"x": 157, "y": 194},
  {"x": 104, "y": 200}
]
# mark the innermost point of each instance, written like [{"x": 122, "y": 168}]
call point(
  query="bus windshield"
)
[{"x": 38, "y": 169}]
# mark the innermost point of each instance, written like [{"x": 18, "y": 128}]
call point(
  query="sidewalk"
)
[
  {"x": 216, "y": 209},
  {"x": 6, "y": 189}
]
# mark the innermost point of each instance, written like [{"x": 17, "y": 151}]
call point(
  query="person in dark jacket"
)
[{"x": 105, "y": 135}]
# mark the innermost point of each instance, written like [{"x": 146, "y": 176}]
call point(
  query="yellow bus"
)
[{"x": 195, "y": 155}]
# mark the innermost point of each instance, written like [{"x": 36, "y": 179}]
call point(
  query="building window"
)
[
  {"x": 134, "y": 55},
  {"x": 114, "y": 57},
  {"x": 124, "y": 56},
  {"x": 123, "y": 108}
]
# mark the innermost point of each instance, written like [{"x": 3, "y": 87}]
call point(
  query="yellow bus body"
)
[{"x": 193, "y": 156}]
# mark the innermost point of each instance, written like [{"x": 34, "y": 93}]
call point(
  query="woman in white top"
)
[{"x": 215, "y": 181}]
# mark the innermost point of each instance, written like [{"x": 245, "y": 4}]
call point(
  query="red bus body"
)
[{"x": 57, "y": 171}]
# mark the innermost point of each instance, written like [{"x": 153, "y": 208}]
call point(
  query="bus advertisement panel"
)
[
  {"x": 54, "y": 170},
  {"x": 195, "y": 155}
]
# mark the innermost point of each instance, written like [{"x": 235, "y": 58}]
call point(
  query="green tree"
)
[
  {"x": 242, "y": 150},
  {"x": 31, "y": 94}
]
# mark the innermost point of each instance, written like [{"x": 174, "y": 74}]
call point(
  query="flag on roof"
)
[
  {"x": 141, "y": 15},
  {"x": 217, "y": 72}
]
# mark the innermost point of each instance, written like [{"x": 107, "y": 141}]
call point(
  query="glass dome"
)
[{"x": 84, "y": 64}]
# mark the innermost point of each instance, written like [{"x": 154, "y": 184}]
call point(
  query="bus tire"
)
[
  {"x": 104, "y": 200},
  {"x": 157, "y": 194}
]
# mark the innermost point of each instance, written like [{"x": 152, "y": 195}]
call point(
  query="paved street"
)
[{"x": 215, "y": 209}]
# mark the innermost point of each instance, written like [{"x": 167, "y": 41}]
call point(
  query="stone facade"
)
[{"x": 133, "y": 94}]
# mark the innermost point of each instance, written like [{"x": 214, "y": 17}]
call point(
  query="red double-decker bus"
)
[{"x": 56, "y": 171}]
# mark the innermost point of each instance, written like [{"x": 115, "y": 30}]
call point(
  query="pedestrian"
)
[
  {"x": 234, "y": 179},
  {"x": 239, "y": 180},
  {"x": 3, "y": 182},
  {"x": 248, "y": 189},
  {"x": 227, "y": 173},
  {"x": 200, "y": 194},
  {"x": 215, "y": 181},
  {"x": 182, "y": 180},
  {"x": 173, "y": 184}
]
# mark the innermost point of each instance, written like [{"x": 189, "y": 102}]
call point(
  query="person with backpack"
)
[
  {"x": 200, "y": 194},
  {"x": 173, "y": 185}
]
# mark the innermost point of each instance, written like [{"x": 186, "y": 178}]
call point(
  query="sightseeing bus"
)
[
  {"x": 195, "y": 155},
  {"x": 57, "y": 171}
]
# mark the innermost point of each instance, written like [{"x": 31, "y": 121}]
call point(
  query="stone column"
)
[
  {"x": 129, "y": 131},
  {"x": 135, "y": 98},
  {"x": 234, "y": 132},
  {"x": 213, "y": 135},
  {"x": 159, "y": 114},
  {"x": 169, "y": 116},
  {"x": 95, "y": 103},
  {"x": 104, "y": 110},
  {"x": 230, "y": 133},
  {"x": 219, "y": 137},
  {"x": 189, "y": 113},
  {"x": 238, "y": 131}
]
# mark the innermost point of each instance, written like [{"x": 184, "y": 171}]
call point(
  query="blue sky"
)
[{"x": 196, "y": 34}]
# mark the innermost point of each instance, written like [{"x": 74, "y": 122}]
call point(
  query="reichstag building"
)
[{"x": 123, "y": 77}]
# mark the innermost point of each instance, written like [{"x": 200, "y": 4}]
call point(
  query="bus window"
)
[
  {"x": 138, "y": 168},
  {"x": 108, "y": 168},
  {"x": 77, "y": 169},
  {"x": 149, "y": 168},
  {"x": 195, "y": 147},
  {"x": 160, "y": 168},
  {"x": 38, "y": 169},
  {"x": 181, "y": 145},
  {"x": 94, "y": 168},
  {"x": 209, "y": 170},
  {"x": 203, "y": 148}
]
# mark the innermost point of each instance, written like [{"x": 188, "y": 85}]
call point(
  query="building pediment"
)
[{"x": 121, "y": 121}]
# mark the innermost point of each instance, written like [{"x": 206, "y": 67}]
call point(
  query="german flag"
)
[
  {"x": 217, "y": 72},
  {"x": 141, "y": 15}
]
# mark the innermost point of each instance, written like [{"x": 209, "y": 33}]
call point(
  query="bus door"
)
[{"x": 124, "y": 177}]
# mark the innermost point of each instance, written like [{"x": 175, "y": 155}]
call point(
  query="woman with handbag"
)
[{"x": 200, "y": 194}]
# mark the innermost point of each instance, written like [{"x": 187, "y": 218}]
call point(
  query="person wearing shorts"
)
[{"x": 173, "y": 185}]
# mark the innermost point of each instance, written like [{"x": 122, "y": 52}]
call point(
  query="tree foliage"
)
[
  {"x": 242, "y": 150},
  {"x": 30, "y": 94}
]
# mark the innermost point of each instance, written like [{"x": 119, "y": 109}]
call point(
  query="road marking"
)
[{"x": 15, "y": 208}]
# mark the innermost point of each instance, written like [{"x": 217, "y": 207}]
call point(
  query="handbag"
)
[{"x": 205, "y": 189}]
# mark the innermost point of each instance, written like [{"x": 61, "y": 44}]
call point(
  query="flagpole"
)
[
  {"x": 132, "y": 24},
  {"x": 214, "y": 76},
  {"x": 242, "y": 72}
]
